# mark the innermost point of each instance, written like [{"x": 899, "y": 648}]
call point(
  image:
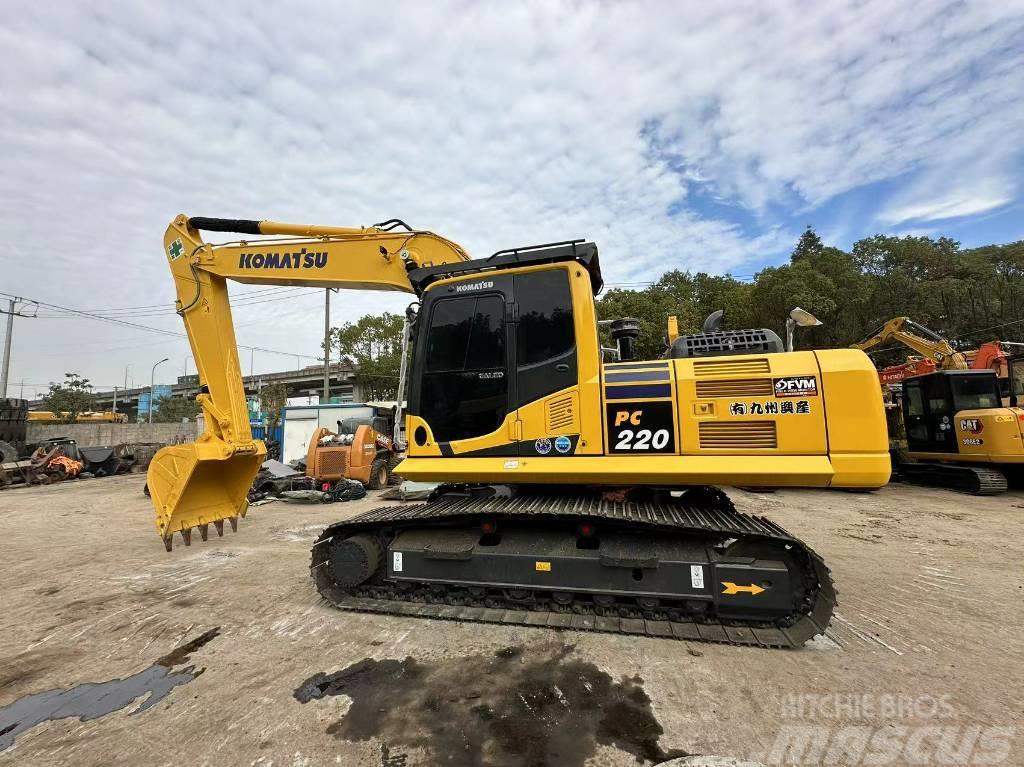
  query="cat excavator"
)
[
  {"x": 573, "y": 493},
  {"x": 954, "y": 419}
]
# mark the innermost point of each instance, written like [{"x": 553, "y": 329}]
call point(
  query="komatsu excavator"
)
[{"x": 574, "y": 493}]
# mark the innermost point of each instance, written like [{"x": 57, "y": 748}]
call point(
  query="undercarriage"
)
[{"x": 684, "y": 566}]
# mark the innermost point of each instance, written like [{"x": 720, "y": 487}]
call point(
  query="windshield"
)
[
  {"x": 1017, "y": 379},
  {"x": 349, "y": 425},
  {"x": 975, "y": 392}
]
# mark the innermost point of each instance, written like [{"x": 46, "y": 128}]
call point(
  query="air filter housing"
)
[{"x": 726, "y": 342}]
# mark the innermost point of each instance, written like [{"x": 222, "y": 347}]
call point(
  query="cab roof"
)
[{"x": 580, "y": 251}]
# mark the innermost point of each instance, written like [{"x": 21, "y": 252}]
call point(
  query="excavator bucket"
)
[{"x": 199, "y": 483}]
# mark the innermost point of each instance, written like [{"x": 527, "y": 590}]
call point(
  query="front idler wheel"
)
[{"x": 355, "y": 560}]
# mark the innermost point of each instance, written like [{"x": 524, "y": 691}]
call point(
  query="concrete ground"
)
[{"x": 922, "y": 661}]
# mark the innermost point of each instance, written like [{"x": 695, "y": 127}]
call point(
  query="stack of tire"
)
[{"x": 12, "y": 422}]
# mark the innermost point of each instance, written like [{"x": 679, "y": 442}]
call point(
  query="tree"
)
[
  {"x": 374, "y": 345},
  {"x": 688, "y": 297},
  {"x": 67, "y": 400},
  {"x": 175, "y": 409},
  {"x": 809, "y": 244},
  {"x": 272, "y": 399}
]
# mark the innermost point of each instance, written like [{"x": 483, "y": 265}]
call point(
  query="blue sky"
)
[{"x": 675, "y": 135}]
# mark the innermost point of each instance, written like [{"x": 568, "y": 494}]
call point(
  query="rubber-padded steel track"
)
[
  {"x": 382, "y": 596},
  {"x": 975, "y": 480}
]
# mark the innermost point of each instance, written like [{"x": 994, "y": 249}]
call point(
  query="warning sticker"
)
[
  {"x": 396, "y": 561},
  {"x": 543, "y": 567},
  {"x": 697, "y": 576}
]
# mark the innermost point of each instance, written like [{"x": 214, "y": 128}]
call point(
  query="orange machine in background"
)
[{"x": 356, "y": 451}]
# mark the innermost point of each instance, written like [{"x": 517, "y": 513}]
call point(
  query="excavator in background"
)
[
  {"x": 935, "y": 352},
  {"x": 953, "y": 416},
  {"x": 574, "y": 493}
]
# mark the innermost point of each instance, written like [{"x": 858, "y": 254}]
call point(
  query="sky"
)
[{"x": 676, "y": 135}]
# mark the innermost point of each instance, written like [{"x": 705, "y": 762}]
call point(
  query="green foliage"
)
[
  {"x": 374, "y": 345},
  {"x": 175, "y": 409},
  {"x": 71, "y": 397},
  {"x": 690, "y": 297},
  {"x": 272, "y": 399},
  {"x": 809, "y": 244},
  {"x": 963, "y": 294}
]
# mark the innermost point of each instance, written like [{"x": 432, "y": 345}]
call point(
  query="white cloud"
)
[
  {"x": 495, "y": 125},
  {"x": 955, "y": 203}
]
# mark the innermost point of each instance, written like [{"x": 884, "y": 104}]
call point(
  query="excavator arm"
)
[
  {"x": 925, "y": 342},
  {"x": 204, "y": 482}
]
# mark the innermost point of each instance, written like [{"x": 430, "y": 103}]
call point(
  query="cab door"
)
[
  {"x": 928, "y": 414},
  {"x": 464, "y": 392}
]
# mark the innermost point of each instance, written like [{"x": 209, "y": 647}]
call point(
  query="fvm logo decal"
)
[
  {"x": 973, "y": 425},
  {"x": 796, "y": 386}
]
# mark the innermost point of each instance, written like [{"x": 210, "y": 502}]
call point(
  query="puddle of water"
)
[
  {"x": 95, "y": 699},
  {"x": 518, "y": 706}
]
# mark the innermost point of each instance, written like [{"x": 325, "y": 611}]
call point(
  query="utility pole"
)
[
  {"x": 11, "y": 312},
  {"x": 114, "y": 407},
  {"x": 152, "y": 384},
  {"x": 327, "y": 346},
  {"x": 7, "y": 348}
]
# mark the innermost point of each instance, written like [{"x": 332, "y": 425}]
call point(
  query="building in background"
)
[{"x": 148, "y": 401}]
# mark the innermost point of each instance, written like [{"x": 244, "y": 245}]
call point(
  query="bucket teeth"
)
[
  {"x": 186, "y": 535},
  {"x": 234, "y": 524},
  {"x": 219, "y": 526},
  {"x": 203, "y": 531},
  {"x": 169, "y": 542}
]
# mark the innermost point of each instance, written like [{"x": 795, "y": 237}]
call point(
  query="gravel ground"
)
[{"x": 243, "y": 664}]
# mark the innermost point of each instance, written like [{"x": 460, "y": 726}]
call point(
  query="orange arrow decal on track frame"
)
[{"x": 733, "y": 588}]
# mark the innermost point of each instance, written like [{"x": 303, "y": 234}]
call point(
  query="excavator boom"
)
[
  {"x": 925, "y": 342},
  {"x": 207, "y": 481}
]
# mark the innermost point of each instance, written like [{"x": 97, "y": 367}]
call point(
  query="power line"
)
[
  {"x": 161, "y": 331},
  {"x": 249, "y": 299},
  {"x": 241, "y": 295},
  {"x": 983, "y": 330}
]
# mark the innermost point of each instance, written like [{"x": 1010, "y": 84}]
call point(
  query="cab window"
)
[
  {"x": 915, "y": 402},
  {"x": 975, "y": 392},
  {"x": 464, "y": 387},
  {"x": 545, "y": 316},
  {"x": 1017, "y": 378}
]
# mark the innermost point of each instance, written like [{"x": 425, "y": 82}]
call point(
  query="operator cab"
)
[
  {"x": 494, "y": 335},
  {"x": 931, "y": 403}
]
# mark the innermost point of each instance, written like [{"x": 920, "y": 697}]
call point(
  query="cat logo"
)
[{"x": 973, "y": 425}]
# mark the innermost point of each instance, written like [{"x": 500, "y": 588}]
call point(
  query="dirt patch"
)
[{"x": 517, "y": 706}]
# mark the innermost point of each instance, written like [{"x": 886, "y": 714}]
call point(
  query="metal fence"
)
[{"x": 260, "y": 432}]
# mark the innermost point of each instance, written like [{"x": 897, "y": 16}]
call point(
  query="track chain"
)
[
  {"x": 975, "y": 480},
  {"x": 459, "y": 604}
]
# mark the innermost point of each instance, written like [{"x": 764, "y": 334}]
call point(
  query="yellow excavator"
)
[
  {"x": 951, "y": 427},
  {"x": 574, "y": 493}
]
